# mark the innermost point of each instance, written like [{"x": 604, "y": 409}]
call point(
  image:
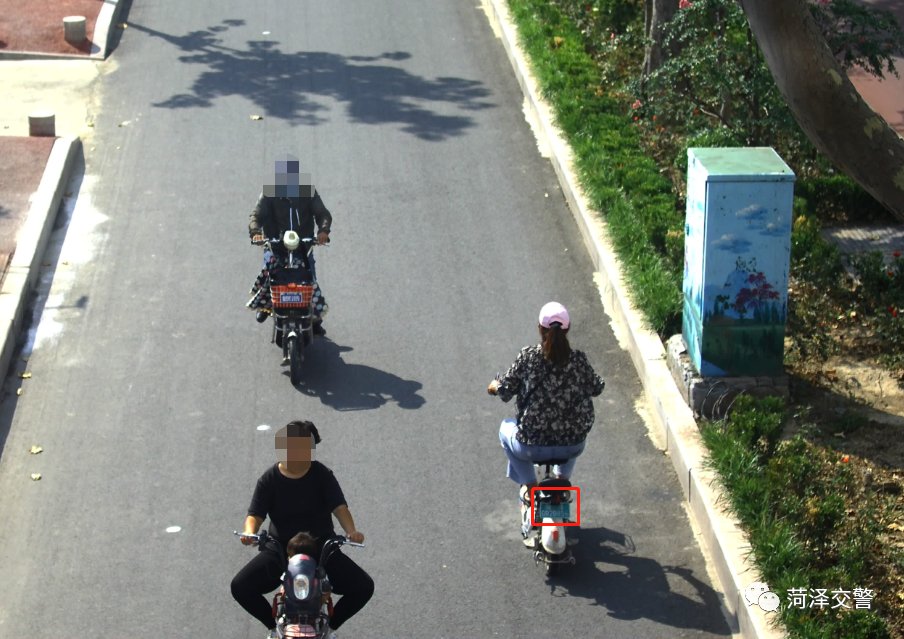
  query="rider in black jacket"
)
[{"x": 287, "y": 204}]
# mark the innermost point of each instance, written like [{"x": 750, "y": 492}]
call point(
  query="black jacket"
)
[{"x": 274, "y": 215}]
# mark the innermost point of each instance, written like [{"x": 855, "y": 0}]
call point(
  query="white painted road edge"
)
[
  {"x": 21, "y": 277},
  {"x": 725, "y": 542}
]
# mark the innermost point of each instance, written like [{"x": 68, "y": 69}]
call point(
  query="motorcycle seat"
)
[{"x": 553, "y": 482}]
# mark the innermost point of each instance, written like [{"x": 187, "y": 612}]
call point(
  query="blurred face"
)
[
  {"x": 295, "y": 449},
  {"x": 287, "y": 173},
  {"x": 288, "y": 181}
]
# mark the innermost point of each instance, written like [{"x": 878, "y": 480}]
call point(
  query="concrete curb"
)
[
  {"x": 21, "y": 277},
  {"x": 724, "y": 541},
  {"x": 103, "y": 33}
]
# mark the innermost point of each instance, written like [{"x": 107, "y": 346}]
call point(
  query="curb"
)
[
  {"x": 103, "y": 33},
  {"x": 724, "y": 541},
  {"x": 22, "y": 274}
]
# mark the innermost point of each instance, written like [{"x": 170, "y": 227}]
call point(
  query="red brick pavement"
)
[
  {"x": 22, "y": 162},
  {"x": 37, "y": 25},
  {"x": 886, "y": 96}
]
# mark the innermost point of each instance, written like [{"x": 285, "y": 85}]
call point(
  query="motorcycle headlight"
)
[
  {"x": 302, "y": 586},
  {"x": 291, "y": 240}
]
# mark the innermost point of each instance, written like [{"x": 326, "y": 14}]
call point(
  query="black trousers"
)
[{"x": 261, "y": 575}]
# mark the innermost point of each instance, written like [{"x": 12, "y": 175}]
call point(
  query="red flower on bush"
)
[
  {"x": 684, "y": 4},
  {"x": 897, "y": 253},
  {"x": 636, "y": 104}
]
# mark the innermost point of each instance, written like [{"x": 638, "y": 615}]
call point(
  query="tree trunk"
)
[
  {"x": 825, "y": 103},
  {"x": 657, "y": 14}
]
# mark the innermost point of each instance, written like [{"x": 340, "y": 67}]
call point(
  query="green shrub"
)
[
  {"x": 829, "y": 196},
  {"x": 881, "y": 296},
  {"x": 624, "y": 185},
  {"x": 719, "y": 80},
  {"x": 757, "y": 430},
  {"x": 794, "y": 504}
]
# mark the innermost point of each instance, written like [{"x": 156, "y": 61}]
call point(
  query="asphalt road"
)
[{"x": 150, "y": 380}]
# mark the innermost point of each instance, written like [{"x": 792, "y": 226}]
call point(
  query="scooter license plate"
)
[
  {"x": 290, "y": 298},
  {"x": 553, "y": 511}
]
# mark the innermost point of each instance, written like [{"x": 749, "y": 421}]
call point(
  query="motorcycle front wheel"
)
[{"x": 295, "y": 360}]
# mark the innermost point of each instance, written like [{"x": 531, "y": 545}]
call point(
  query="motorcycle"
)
[
  {"x": 550, "y": 505},
  {"x": 292, "y": 287},
  {"x": 303, "y": 605}
]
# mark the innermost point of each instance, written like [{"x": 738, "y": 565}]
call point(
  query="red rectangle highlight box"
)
[{"x": 577, "y": 503}]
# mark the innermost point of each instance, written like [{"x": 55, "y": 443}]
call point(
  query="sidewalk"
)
[
  {"x": 886, "y": 96},
  {"x": 35, "y": 170}
]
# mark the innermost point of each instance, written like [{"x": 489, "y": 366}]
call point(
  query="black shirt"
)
[{"x": 296, "y": 505}]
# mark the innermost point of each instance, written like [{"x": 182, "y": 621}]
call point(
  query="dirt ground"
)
[{"x": 865, "y": 404}]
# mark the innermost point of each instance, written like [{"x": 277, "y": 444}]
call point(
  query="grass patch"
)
[
  {"x": 812, "y": 526},
  {"x": 626, "y": 185}
]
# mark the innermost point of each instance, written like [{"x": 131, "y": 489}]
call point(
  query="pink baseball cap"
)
[{"x": 554, "y": 312}]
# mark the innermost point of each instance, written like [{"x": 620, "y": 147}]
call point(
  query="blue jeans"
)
[{"x": 521, "y": 457}]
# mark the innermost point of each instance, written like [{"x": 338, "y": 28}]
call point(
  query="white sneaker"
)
[
  {"x": 527, "y": 530},
  {"x": 331, "y": 634}
]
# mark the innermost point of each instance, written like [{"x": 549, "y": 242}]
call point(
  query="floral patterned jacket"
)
[{"x": 554, "y": 404}]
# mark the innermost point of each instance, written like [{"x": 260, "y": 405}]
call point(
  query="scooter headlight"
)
[
  {"x": 302, "y": 586},
  {"x": 291, "y": 240}
]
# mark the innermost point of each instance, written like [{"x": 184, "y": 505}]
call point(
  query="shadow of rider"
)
[{"x": 345, "y": 386}]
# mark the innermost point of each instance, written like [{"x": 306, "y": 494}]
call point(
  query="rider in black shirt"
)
[{"x": 299, "y": 495}]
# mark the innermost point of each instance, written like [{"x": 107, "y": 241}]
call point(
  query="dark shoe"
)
[
  {"x": 262, "y": 316},
  {"x": 318, "y": 329}
]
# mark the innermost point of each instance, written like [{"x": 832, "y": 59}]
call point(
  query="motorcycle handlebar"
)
[
  {"x": 263, "y": 536},
  {"x": 260, "y": 538},
  {"x": 340, "y": 540},
  {"x": 278, "y": 240}
]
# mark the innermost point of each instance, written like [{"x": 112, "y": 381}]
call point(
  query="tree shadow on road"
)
[
  {"x": 346, "y": 387},
  {"x": 296, "y": 87},
  {"x": 634, "y": 587}
]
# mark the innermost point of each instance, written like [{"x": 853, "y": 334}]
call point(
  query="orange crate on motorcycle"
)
[{"x": 291, "y": 295}]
